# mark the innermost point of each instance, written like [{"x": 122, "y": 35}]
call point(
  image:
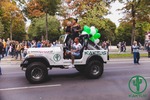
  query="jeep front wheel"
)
[
  {"x": 94, "y": 69},
  {"x": 36, "y": 72}
]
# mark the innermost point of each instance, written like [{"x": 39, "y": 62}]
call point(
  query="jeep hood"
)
[{"x": 43, "y": 50}]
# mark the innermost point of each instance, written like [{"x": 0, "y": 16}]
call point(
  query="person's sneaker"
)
[
  {"x": 71, "y": 66},
  {"x": 66, "y": 67},
  {"x": 138, "y": 63}
]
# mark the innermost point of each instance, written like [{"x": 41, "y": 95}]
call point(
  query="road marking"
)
[
  {"x": 4, "y": 73},
  {"x": 30, "y": 87},
  {"x": 147, "y": 77}
]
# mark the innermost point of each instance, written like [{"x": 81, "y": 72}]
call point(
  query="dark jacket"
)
[{"x": 1, "y": 47}]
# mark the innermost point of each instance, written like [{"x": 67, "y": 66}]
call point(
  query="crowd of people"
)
[
  {"x": 15, "y": 48},
  {"x": 121, "y": 47}
]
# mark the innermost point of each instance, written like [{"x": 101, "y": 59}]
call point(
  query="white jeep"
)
[{"x": 39, "y": 60}]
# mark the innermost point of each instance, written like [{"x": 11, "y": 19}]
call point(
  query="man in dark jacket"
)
[{"x": 1, "y": 48}]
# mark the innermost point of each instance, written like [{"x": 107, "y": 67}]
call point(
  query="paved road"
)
[{"x": 71, "y": 85}]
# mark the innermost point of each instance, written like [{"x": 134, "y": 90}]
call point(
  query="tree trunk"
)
[
  {"x": 133, "y": 25},
  {"x": 11, "y": 25},
  {"x": 46, "y": 21}
]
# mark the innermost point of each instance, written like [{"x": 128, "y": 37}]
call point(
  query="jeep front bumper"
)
[{"x": 24, "y": 64}]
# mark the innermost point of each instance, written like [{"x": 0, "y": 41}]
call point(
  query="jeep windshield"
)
[{"x": 62, "y": 39}]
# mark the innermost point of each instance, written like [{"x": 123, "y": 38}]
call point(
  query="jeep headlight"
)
[{"x": 30, "y": 55}]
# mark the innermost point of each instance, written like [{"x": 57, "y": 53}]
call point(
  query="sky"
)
[{"x": 116, "y": 15}]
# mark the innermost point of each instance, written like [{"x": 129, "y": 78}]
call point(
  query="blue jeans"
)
[{"x": 136, "y": 56}]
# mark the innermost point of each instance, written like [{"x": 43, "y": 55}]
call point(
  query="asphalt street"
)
[{"x": 69, "y": 84}]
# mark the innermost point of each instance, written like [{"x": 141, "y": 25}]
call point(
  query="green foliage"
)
[
  {"x": 139, "y": 9},
  {"x": 141, "y": 29},
  {"x": 125, "y": 55},
  {"x": 136, "y": 10},
  {"x": 37, "y": 28},
  {"x": 11, "y": 15},
  {"x": 108, "y": 33},
  {"x": 1, "y": 29},
  {"x": 94, "y": 17},
  {"x": 123, "y": 33},
  {"x": 19, "y": 30},
  {"x": 49, "y": 6}
]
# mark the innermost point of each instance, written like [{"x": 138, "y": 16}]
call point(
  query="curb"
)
[{"x": 128, "y": 59}]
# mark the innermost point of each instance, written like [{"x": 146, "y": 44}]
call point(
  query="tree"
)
[
  {"x": 108, "y": 33},
  {"x": 12, "y": 18},
  {"x": 136, "y": 10},
  {"x": 37, "y": 27},
  {"x": 41, "y": 7},
  {"x": 95, "y": 15},
  {"x": 77, "y": 7},
  {"x": 123, "y": 33},
  {"x": 1, "y": 29},
  {"x": 141, "y": 29},
  {"x": 33, "y": 9}
]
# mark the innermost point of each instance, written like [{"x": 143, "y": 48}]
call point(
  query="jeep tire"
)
[
  {"x": 94, "y": 69},
  {"x": 36, "y": 72}
]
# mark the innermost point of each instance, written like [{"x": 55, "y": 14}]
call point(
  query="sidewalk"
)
[
  {"x": 128, "y": 59},
  {"x": 9, "y": 58},
  {"x": 114, "y": 50}
]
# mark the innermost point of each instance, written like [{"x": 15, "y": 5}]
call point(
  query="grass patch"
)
[{"x": 125, "y": 55}]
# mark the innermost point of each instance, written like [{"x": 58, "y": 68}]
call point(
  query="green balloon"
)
[
  {"x": 92, "y": 39},
  {"x": 96, "y": 30},
  {"x": 87, "y": 29},
  {"x": 97, "y": 35}
]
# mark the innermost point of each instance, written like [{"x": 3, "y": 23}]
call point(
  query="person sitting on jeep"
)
[{"x": 75, "y": 51}]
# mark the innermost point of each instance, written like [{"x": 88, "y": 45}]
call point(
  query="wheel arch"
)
[
  {"x": 94, "y": 57},
  {"x": 37, "y": 59}
]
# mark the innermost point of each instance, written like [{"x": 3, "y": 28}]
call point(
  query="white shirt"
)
[
  {"x": 135, "y": 48},
  {"x": 77, "y": 47}
]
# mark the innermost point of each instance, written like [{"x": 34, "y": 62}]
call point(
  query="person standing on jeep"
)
[
  {"x": 75, "y": 51},
  {"x": 75, "y": 29},
  {"x": 69, "y": 35}
]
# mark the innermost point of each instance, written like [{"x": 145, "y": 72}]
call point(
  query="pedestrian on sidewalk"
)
[
  {"x": 1, "y": 49},
  {"x": 119, "y": 47},
  {"x": 136, "y": 54},
  {"x": 148, "y": 49},
  {"x": 18, "y": 49}
]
